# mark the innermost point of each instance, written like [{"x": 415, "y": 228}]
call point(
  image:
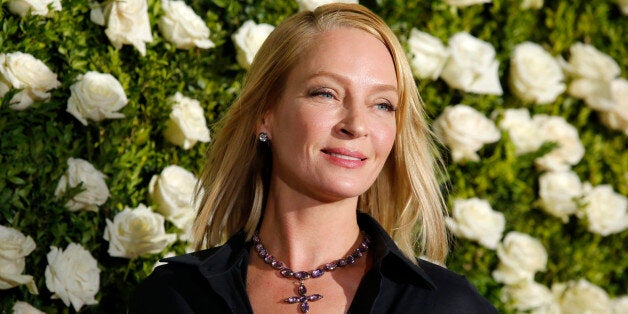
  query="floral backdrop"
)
[{"x": 107, "y": 111}]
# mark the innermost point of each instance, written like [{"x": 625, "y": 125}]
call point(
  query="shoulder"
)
[
  {"x": 178, "y": 273},
  {"x": 408, "y": 287},
  {"x": 170, "y": 288},
  {"x": 453, "y": 292},
  {"x": 186, "y": 284}
]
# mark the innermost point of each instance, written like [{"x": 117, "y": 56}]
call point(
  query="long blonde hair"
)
[{"x": 405, "y": 198}]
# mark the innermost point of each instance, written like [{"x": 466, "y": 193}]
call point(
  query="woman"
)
[{"x": 324, "y": 154}]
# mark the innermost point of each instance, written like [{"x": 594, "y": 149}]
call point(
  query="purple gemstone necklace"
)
[{"x": 303, "y": 298}]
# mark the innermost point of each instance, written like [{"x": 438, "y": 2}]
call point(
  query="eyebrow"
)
[{"x": 339, "y": 77}]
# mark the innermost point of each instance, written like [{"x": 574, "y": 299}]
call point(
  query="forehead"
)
[{"x": 351, "y": 52}]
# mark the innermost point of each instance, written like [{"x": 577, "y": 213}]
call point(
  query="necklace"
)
[{"x": 302, "y": 297}]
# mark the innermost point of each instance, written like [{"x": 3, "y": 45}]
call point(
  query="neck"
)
[{"x": 305, "y": 233}]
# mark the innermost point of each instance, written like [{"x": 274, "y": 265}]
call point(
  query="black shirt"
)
[{"x": 214, "y": 281}]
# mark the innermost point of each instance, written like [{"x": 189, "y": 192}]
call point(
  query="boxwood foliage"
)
[{"x": 35, "y": 143}]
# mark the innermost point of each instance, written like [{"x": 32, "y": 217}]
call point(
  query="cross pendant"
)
[{"x": 303, "y": 298}]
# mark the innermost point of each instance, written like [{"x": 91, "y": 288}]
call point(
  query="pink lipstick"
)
[{"x": 344, "y": 157}]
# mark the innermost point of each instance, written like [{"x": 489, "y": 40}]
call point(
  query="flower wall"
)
[{"x": 107, "y": 111}]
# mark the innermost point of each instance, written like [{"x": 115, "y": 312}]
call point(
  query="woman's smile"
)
[{"x": 345, "y": 157}]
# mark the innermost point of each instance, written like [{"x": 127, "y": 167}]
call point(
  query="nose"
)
[{"x": 352, "y": 123}]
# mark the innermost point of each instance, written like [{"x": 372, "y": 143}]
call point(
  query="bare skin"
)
[{"x": 331, "y": 133}]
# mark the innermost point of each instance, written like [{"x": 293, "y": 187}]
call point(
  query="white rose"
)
[
  {"x": 23, "y": 71},
  {"x": 620, "y": 305},
  {"x": 527, "y": 295},
  {"x": 616, "y": 117},
  {"x": 523, "y": 132},
  {"x": 581, "y": 296},
  {"x": 187, "y": 234},
  {"x": 135, "y": 232},
  {"x": 173, "y": 193},
  {"x": 96, "y": 96},
  {"x": 35, "y": 7},
  {"x": 428, "y": 55},
  {"x": 311, "y": 5},
  {"x": 585, "y": 61},
  {"x": 569, "y": 151},
  {"x": 465, "y": 3},
  {"x": 4, "y": 86},
  {"x": 531, "y": 4},
  {"x": 606, "y": 210},
  {"x": 248, "y": 39},
  {"x": 187, "y": 124},
  {"x": 127, "y": 22},
  {"x": 559, "y": 191},
  {"x": 623, "y": 6},
  {"x": 520, "y": 257},
  {"x": 72, "y": 275},
  {"x": 474, "y": 219},
  {"x": 21, "y": 307},
  {"x": 535, "y": 76},
  {"x": 465, "y": 130},
  {"x": 11, "y": 275},
  {"x": 95, "y": 191},
  {"x": 14, "y": 247},
  {"x": 181, "y": 26},
  {"x": 595, "y": 93},
  {"x": 592, "y": 72},
  {"x": 472, "y": 66},
  {"x": 550, "y": 308}
]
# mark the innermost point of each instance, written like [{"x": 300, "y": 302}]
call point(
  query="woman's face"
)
[{"x": 334, "y": 125}]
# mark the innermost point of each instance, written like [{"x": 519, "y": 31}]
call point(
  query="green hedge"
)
[{"x": 36, "y": 142}]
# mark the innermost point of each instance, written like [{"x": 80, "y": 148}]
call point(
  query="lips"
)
[
  {"x": 344, "y": 153},
  {"x": 345, "y": 158}
]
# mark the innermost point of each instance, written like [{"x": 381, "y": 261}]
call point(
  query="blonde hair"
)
[{"x": 405, "y": 198}]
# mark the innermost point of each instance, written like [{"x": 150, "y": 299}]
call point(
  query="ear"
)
[{"x": 265, "y": 123}]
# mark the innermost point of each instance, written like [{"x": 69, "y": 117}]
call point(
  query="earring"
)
[{"x": 263, "y": 137}]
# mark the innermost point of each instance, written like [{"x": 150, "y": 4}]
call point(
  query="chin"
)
[{"x": 340, "y": 191}]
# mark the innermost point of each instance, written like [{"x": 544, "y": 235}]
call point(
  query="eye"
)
[
  {"x": 385, "y": 107},
  {"x": 323, "y": 93}
]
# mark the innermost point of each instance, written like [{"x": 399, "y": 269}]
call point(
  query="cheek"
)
[
  {"x": 300, "y": 128},
  {"x": 384, "y": 137},
  {"x": 309, "y": 124}
]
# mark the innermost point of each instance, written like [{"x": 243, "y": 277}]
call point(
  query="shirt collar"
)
[
  {"x": 224, "y": 268},
  {"x": 218, "y": 260},
  {"x": 388, "y": 257}
]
